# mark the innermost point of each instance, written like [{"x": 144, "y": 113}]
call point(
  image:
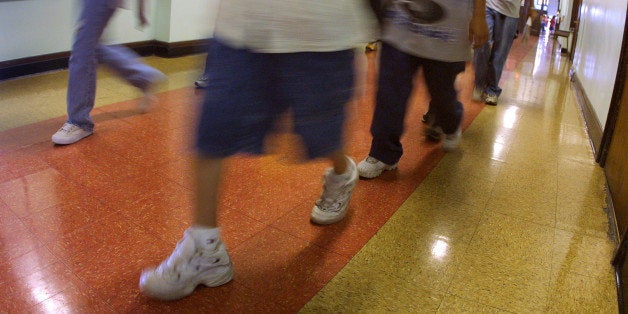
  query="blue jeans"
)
[
  {"x": 395, "y": 83},
  {"x": 489, "y": 59},
  {"x": 87, "y": 52}
]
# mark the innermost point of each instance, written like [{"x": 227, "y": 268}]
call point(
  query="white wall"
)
[
  {"x": 598, "y": 50},
  {"x": 184, "y": 20},
  {"x": 29, "y": 28},
  {"x": 192, "y": 19},
  {"x": 124, "y": 27},
  {"x": 38, "y": 27}
]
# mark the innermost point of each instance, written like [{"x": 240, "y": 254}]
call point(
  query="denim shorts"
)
[{"x": 248, "y": 92}]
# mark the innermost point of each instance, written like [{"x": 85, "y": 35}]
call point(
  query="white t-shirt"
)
[
  {"x": 506, "y": 7},
  {"x": 437, "y": 30},
  {"x": 281, "y": 26}
]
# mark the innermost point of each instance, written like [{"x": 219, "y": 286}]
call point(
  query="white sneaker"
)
[
  {"x": 332, "y": 206},
  {"x": 434, "y": 133},
  {"x": 149, "y": 99},
  {"x": 371, "y": 167},
  {"x": 70, "y": 133},
  {"x": 186, "y": 268},
  {"x": 452, "y": 141},
  {"x": 477, "y": 94},
  {"x": 491, "y": 99},
  {"x": 202, "y": 82},
  {"x": 147, "y": 102}
]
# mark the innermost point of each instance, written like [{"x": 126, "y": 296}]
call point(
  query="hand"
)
[
  {"x": 478, "y": 31},
  {"x": 141, "y": 14}
]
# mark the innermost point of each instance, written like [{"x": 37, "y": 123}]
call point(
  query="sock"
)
[
  {"x": 205, "y": 237},
  {"x": 335, "y": 178}
]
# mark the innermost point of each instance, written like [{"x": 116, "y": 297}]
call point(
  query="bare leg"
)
[
  {"x": 207, "y": 173},
  {"x": 339, "y": 161},
  {"x": 200, "y": 258}
]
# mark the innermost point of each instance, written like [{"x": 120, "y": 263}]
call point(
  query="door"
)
[
  {"x": 574, "y": 24},
  {"x": 613, "y": 152},
  {"x": 616, "y": 170},
  {"x": 613, "y": 156},
  {"x": 616, "y": 160}
]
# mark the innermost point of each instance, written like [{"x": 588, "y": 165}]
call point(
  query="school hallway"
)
[{"x": 513, "y": 221}]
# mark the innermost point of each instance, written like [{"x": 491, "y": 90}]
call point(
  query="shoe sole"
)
[
  {"x": 208, "y": 282},
  {"x": 320, "y": 220},
  {"x": 449, "y": 147},
  {"x": 221, "y": 280},
  {"x": 62, "y": 142},
  {"x": 490, "y": 102},
  {"x": 433, "y": 134},
  {"x": 376, "y": 173}
]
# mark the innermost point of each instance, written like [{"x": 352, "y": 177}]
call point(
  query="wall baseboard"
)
[
  {"x": 592, "y": 124},
  {"x": 56, "y": 61}
]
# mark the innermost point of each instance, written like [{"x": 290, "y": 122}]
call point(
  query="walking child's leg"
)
[
  {"x": 339, "y": 162},
  {"x": 200, "y": 257},
  {"x": 440, "y": 78},
  {"x": 82, "y": 72},
  {"x": 207, "y": 174}
]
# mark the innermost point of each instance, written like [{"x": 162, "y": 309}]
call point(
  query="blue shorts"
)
[{"x": 249, "y": 91}]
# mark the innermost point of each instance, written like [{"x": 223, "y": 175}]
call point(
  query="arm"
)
[
  {"x": 478, "y": 29},
  {"x": 140, "y": 13}
]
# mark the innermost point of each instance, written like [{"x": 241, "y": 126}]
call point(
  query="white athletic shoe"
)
[
  {"x": 187, "y": 267},
  {"x": 332, "y": 206},
  {"x": 491, "y": 99},
  {"x": 70, "y": 133},
  {"x": 149, "y": 100},
  {"x": 478, "y": 95},
  {"x": 452, "y": 141},
  {"x": 202, "y": 82},
  {"x": 371, "y": 167}
]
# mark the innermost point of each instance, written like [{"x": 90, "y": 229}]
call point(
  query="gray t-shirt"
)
[
  {"x": 281, "y": 26},
  {"x": 505, "y": 7},
  {"x": 437, "y": 30}
]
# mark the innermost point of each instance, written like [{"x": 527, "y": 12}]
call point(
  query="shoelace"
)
[
  {"x": 67, "y": 128},
  {"x": 170, "y": 269},
  {"x": 329, "y": 200}
]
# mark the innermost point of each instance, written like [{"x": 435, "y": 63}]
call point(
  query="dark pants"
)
[{"x": 396, "y": 76}]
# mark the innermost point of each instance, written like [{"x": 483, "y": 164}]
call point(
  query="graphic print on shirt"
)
[
  {"x": 422, "y": 17},
  {"x": 422, "y": 11}
]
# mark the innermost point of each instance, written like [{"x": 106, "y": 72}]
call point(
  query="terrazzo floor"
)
[{"x": 512, "y": 222}]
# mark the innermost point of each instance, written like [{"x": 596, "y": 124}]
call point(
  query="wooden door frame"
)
[
  {"x": 618, "y": 91},
  {"x": 574, "y": 26}
]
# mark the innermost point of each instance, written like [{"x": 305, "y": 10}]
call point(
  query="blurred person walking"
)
[
  {"x": 436, "y": 36},
  {"x": 267, "y": 58},
  {"x": 87, "y": 51},
  {"x": 502, "y": 17}
]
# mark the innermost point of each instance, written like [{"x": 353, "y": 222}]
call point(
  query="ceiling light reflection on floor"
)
[{"x": 440, "y": 247}]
